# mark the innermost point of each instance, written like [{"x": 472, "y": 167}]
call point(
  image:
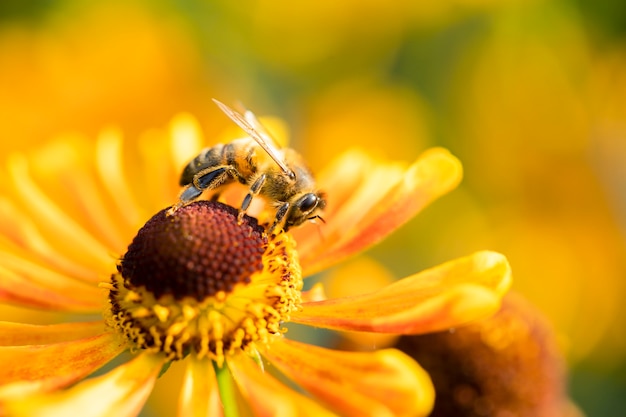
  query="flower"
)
[
  {"x": 200, "y": 286},
  {"x": 506, "y": 364}
]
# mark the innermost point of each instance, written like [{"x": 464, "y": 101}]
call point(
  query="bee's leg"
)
[
  {"x": 211, "y": 178},
  {"x": 189, "y": 194},
  {"x": 280, "y": 215},
  {"x": 255, "y": 188},
  {"x": 207, "y": 179}
]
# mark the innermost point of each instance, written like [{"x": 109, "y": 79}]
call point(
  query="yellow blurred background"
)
[{"x": 530, "y": 95}]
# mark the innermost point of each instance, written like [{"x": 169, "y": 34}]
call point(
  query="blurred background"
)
[{"x": 529, "y": 94}]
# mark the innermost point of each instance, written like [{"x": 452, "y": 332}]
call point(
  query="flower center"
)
[
  {"x": 196, "y": 280},
  {"x": 198, "y": 252}
]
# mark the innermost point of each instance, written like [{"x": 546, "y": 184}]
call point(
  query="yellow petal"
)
[
  {"x": 98, "y": 212},
  {"x": 111, "y": 170},
  {"x": 120, "y": 393},
  {"x": 30, "y": 285},
  {"x": 64, "y": 169},
  {"x": 267, "y": 397},
  {"x": 381, "y": 383},
  {"x": 316, "y": 293},
  {"x": 58, "y": 226},
  {"x": 159, "y": 179},
  {"x": 19, "y": 334},
  {"x": 199, "y": 396},
  {"x": 387, "y": 199},
  {"x": 31, "y": 369},
  {"x": 19, "y": 234},
  {"x": 435, "y": 299},
  {"x": 186, "y": 139}
]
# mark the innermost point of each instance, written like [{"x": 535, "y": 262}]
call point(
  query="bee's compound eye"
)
[{"x": 308, "y": 202}]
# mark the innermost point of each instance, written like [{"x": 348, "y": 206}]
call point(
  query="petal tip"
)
[
  {"x": 441, "y": 164},
  {"x": 490, "y": 260}
]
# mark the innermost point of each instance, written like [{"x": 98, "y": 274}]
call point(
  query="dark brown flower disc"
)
[
  {"x": 503, "y": 366},
  {"x": 196, "y": 251}
]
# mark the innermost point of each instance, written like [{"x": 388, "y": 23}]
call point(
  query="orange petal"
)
[
  {"x": 120, "y": 393},
  {"x": 30, "y": 285},
  {"x": 316, "y": 293},
  {"x": 382, "y": 204},
  {"x": 58, "y": 226},
  {"x": 266, "y": 396},
  {"x": 99, "y": 215},
  {"x": 199, "y": 396},
  {"x": 435, "y": 299},
  {"x": 32, "y": 369},
  {"x": 19, "y": 334},
  {"x": 381, "y": 383},
  {"x": 353, "y": 182},
  {"x": 20, "y": 235},
  {"x": 64, "y": 169},
  {"x": 346, "y": 174}
]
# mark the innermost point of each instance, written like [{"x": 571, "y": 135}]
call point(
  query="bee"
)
[{"x": 278, "y": 174}]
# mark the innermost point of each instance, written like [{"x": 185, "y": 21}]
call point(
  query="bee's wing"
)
[
  {"x": 256, "y": 124},
  {"x": 251, "y": 125}
]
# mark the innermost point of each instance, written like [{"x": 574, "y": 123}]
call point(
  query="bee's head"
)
[{"x": 304, "y": 208}]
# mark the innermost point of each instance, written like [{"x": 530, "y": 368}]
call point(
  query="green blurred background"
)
[{"x": 529, "y": 94}]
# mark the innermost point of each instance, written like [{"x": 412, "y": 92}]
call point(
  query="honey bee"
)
[{"x": 278, "y": 174}]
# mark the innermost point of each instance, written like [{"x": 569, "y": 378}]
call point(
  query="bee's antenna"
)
[
  {"x": 317, "y": 216},
  {"x": 319, "y": 228}
]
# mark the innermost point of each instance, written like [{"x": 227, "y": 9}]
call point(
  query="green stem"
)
[{"x": 227, "y": 390}]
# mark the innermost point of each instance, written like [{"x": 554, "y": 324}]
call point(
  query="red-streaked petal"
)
[
  {"x": 381, "y": 383},
  {"x": 353, "y": 182},
  {"x": 20, "y": 334},
  {"x": 31, "y": 285},
  {"x": 343, "y": 176},
  {"x": 26, "y": 370},
  {"x": 435, "y": 299},
  {"x": 199, "y": 396},
  {"x": 369, "y": 216},
  {"x": 120, "y": 393},
  {"x": 267, "y": 397}
]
